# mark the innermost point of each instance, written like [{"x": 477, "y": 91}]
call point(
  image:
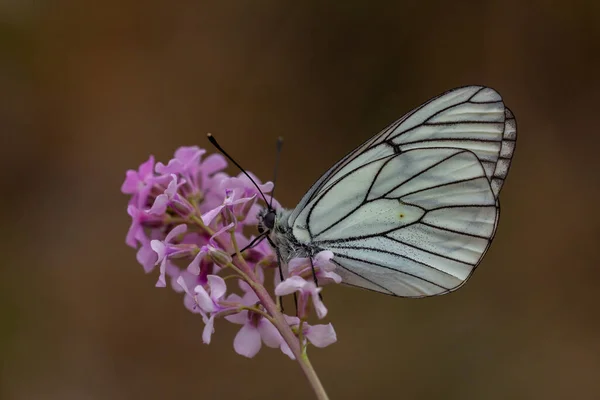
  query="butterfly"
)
[{"x": 412, "y": 211}]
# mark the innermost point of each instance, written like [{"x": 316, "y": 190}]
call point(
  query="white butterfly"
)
[{"x": 412, "y": 211}]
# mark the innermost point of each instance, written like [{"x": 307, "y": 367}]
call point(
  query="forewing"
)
[
  {"x": 411, "y": 224},
  {"x": 472, "y": 118}
]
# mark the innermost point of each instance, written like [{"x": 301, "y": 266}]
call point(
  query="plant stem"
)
[
  {"x": 281, "y": 325},
  {"x": 313, "y": 378}
]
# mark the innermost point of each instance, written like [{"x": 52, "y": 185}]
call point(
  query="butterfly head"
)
[{"x": 266, "y": 219}]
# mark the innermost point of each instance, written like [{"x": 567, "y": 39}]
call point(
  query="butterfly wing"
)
[
  {"x": 471, "y": 117},
  {"x": 412, "y": 211},
  {"x": 507, "y": 149},
  {"x": 413, "y": 234}
]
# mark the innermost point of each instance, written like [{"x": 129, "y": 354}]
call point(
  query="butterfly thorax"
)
[{"x": 275, "y": 222}]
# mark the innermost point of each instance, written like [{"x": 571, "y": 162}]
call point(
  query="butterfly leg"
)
[
  {"x": 280, "y": 299},
  {"x": 312, "y": 266}
]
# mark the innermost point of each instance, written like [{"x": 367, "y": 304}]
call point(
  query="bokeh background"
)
[{"x": 89, "y": 89}]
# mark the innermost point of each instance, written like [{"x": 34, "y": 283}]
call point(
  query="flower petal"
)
[
  {"x": 269, "y": 334},
  {"x": 291, "y": 321},
  {"x": 135, "y": 228},
  {"x": 161, "y": 277},
  {"x": 184, "y": 286},
  {"x": 204, "y": 301},
  {"x": 250, "y": 299},
  {"x": 295, "y": 265},
  {"x": 160, "y": 205},
  {"x": 287, "y": 351},
  {"x": 321, "y": 335},
  {"x": 290, "y": 285},
  {"x": 325, "y": 275},
  {"x": 130, "y": 185},
  {"x": 147, "y": 168},
  {"x": 210, "y": 215},
  {"x": 242, "y": 200},
  {"x": 247, "y": 341},
  {"x": 174, "y": 166},
  {"x": 159, "y": 248},
  {"x": 190, "y": 303},
  {"x": 224, "y": 229},
  {"x": 318, "y": 304},
  {"x": 189, "y": 154},
  {"x": 194, "y": 266},
  {"x": 218, "y": 287},
  {"x": 146, "y": 256},
  {"x": 178, "y": 230},
  {"x": 213, "y": 163},
  {"x": 208, "y": 329},
  {"x": 240, "y": 318},
  {"x": 322, "y": 259},
  {"x": 173, "y": 186}
]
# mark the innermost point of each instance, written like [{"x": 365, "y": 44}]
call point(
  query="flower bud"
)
[{"x": 219, "y": 257}]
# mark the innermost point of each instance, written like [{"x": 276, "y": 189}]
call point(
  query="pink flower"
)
[
  {"x": 306, "y": 291},
  {"x": 139, "y": 183},
  {"x": 323, "y": 268},
  {"x": 198, "y": 174},
  {"x": 145, "y": 255},
  {"x": 226, "y": 209},
  {"x": 139, "y": 219},
  {"x": 208, "y": 301},
  {"x": 185, "y": 162},
  {"x": 164, "y": 249},
  {"x": 256, "y": 330},
  {"x": 171, "y": 198},
  {"x": 181, "y": 284},
  {"x": 317, "y": 335},
  {"x": 243, "y": 187}
]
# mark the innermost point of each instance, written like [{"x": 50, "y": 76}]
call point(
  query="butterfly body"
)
[{"x": 411, "y": 211}]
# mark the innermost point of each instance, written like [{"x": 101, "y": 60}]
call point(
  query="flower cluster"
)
[{"x": 189, "y": 219}]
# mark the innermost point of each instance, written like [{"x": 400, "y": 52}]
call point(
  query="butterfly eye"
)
[{"x": 269, "y": 220}]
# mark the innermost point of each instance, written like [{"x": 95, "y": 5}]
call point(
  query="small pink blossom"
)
[
  {"x": 317, "y": 335},
  {"x": 306, "y": 291},
  {"x": 185, "y": 162},
  {"x": 139, "y": 219},
  {"x": 208, "y": 301},
  {"x": 145, "y": 255},
  {"x": 226, "y": 208},
  {"x": 165, "y": 248},
  {"x": 243, "y": 187},
  {"x": 256, "y": 330},
  {"x": 139, "y": 183},
  {"x": 198, "y": 173},
  {"x": 171, "y": 198},
  {"x": 323, "y": 268}
]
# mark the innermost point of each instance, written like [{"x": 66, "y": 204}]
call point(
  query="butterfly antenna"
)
[
  {"x": 212, "y": 140},
  {"x": 253, "y": 243},
  {"x": 277, "y": 158}
]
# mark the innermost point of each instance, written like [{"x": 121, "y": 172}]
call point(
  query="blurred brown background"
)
[{"x": 89, "y": 89}]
